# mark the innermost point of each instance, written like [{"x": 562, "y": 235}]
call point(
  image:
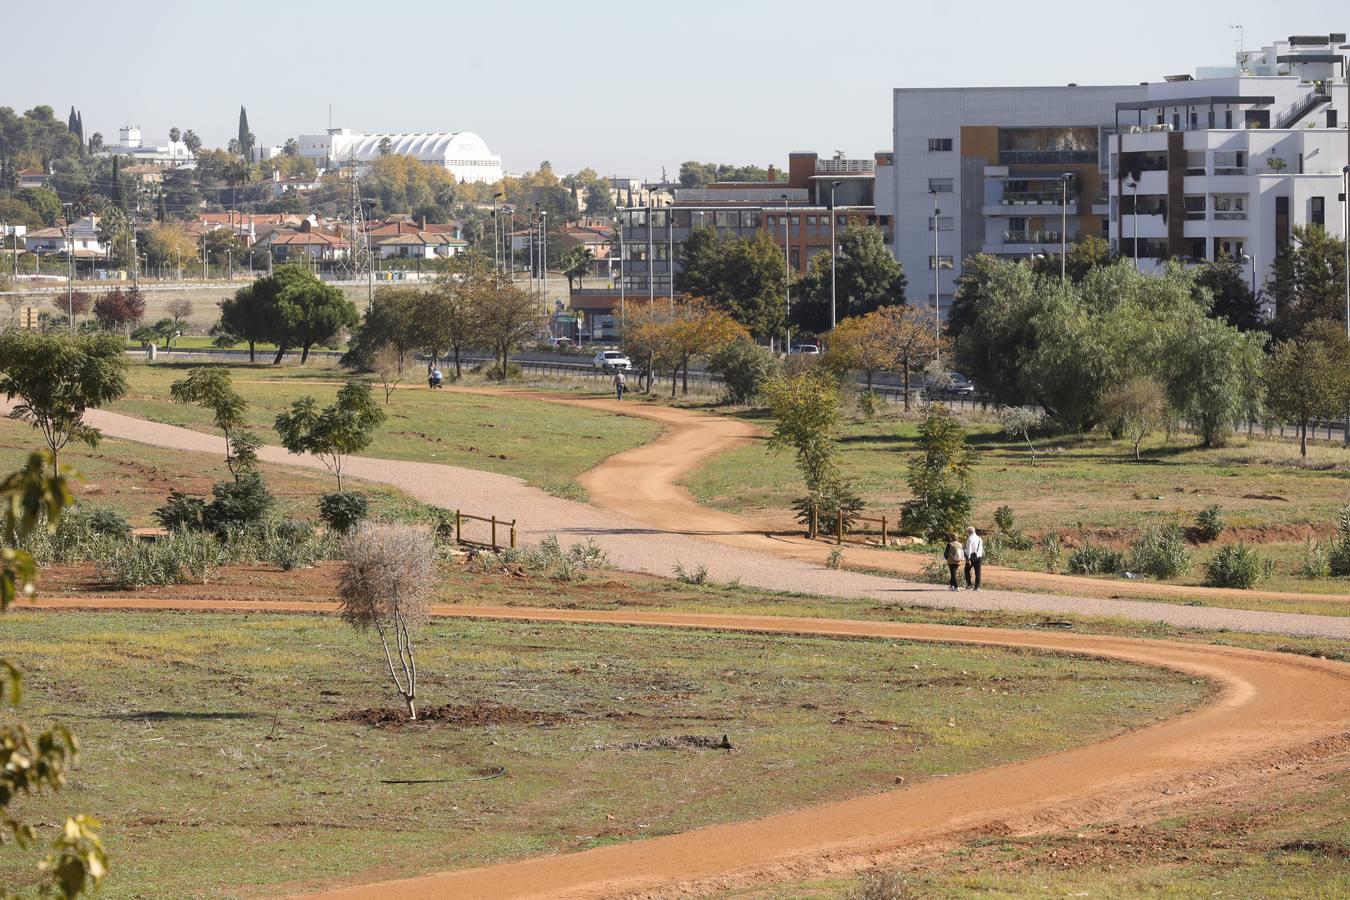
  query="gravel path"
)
[{"x": 705, "y": 537}]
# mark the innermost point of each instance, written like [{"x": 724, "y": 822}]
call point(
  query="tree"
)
[
  {"x": 194, "y": 143},
  {"x": 388, "y": 364},
  {"x": 76, "y": 303},
  {"x": 1308, "y": 377},
  {"x": 1307, "y": 281},
  {"x": 45, "y": 203},
  {"x": 744, "y": 367},
  {"x": 302, "y": 311},
  {"x": 939, "y": 478},
  {"x": 57, "y": 378},
  {"x": 576, "y": 264},
  {"x": 445, "y": 318},
  {"x": 646, "y": 340},
  {"x": 33, "y": 764},
  {"x": 168, "y": 245},
  {"x": 175, "y": 134},
  {"x": 695, "y": 174},
  {"x": 120, "y": 309},
  {"x": 505, "y": 316},
  {"x": 335, "y": 432},
  {"x": 291, "y": 148},
  {"x": 697, "y": 330},
  {"x": 1136, "y": 408},
  {"x": 247, "y": 315},
  {"x": 741, "y": 276},
  {"x": 1208, "y": 366},
  {"x": 212, "y": 389},
  {"x": 391, "y": 321},
  {"x": 386, "y": 582},
  {"x": 867, "y": 277},
  {"x": 805, "y": 409},
  {"x": 1020, "y": 422},
  {"x": 1230, "y": 295},
  {"x": 385, "y": 146},
  {"x": 180, "y": 310},
  {"x": 246, "y": 138}
]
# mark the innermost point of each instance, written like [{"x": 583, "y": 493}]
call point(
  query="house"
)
[
  {"x": 308, "y": 241},
  {"x": 420, "y": 245},
  {"x": 32, "y": 178},
  {"x": 81, "y": 238},
  {"x": 145, "y": 174}
]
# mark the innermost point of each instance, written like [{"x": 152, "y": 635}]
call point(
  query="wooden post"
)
[
  {"x": 883, "y": 530},
  {"x": 815, "y": 522},
  {"x": 839, "y": 528},
  {"x": 459, "y": 529},
  {"x": 513, "y": 534},
  {"x": 494, "y": 533}
]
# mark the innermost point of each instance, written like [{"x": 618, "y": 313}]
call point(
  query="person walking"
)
[
  {"x": 954, "y": 556},
  {"x": 620, "y": 384},
  {"x": 974, "y": 556}
]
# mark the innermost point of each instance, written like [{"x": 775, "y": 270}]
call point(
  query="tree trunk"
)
[
  {"x": 251, "y": 347},
  {"x": 304, "y": 352},
  {"x": 1137, "y": 442},
  {"x": 869, "y": 381},
  {"x": 281, "y": 352},
  {"x": 685, "y": 384},
  {"x": 458, "y": 373},
  {"x": 1303, "y": 437},
  {"x": 904, "y": 367}
]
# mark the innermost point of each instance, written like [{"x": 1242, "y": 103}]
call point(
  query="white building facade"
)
[
  {"x": 1233, "y": 162},
  {"x": 167, "y": 153},
  {"x": 993, "y": 161},
  {"x": 464, "y": 154}
]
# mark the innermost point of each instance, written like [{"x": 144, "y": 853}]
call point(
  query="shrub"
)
[
  {"x": 1234, "y": 566},
  {"x": 1094, "y": 559},
  {"x": 1209, "y": 523},
  {"x": 745, "y": 367},
  {"x": 934, "y": 572},
  {"x": 835, "y": 560},
  {"x": 869, "y": 404},
  {"x": 342, "y": 510},
  {"x": 182, "y": 513},
  {"x": 1316, "y": 561},
  {"x": 184, "y": 557},
  {"x": 1003, "y": 520},
  {"x": 237, "y": 504},
  {"x": 99, "y": 520},
  {"x": 290, "y": 545},
  {"x": 880, "y": 886},
  {"x": 1052, "y": 556},
  {"x": 1338, "y": 551},
  {"x": 698, "y": 575},
  {"x": 1160, "y": 551},
  {"x": 835, "y": 498},
  {"x": 939, "y": 478}
]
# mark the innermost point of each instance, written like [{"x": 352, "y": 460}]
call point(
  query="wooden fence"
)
[{"x": 455, "y": 528}]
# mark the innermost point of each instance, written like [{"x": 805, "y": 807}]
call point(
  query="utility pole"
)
[
  {"x": 543, "y": 247},
  {"x": 651, "y": 276},
  {"x": 1063, "y": 225},
  {"x": 623, "y": 313},
  {"x": 834, "y": 254},
  {"x": 787, "y": 278},
  {"x": 1345, "y": 238},
  {"x": 937, "y": 290}
]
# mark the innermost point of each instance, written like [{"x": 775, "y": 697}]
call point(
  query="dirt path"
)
[
  {"x": 646, "y": 523},
  {"x": 1250, "y": 727}
]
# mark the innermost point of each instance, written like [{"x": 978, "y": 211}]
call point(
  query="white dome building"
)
[{"x": 463, "y": 153}]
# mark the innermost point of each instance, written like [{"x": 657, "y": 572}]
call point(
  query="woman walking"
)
[{"x": 954, "y": 555}]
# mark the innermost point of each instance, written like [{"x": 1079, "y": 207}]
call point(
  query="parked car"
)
[
  {"x": 611, "y": 360},
  {"x": 953, "y": 385},
  {"x": 561, "y": 343},
  {"x": 807, "y": 349}
]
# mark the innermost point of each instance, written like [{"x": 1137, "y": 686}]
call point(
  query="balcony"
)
[
  {"x": 1046, "y": 157},
  {"x": 1034, "y": 237}
]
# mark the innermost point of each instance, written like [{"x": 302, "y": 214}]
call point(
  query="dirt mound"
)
[
  {"x": 683, "y": 742},
  {"x": 458, "y": 715}
]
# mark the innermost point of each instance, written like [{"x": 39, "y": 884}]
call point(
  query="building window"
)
[
  {"x": 1317, "y": 211},
  {"x": 1195, "y": 208},
  {"x": 1227, "y": 118},
  {"x": 944, "y": 223},
  {"x": 939, "y": 144},
  {"x": 1331, "y": 118},
  {"x": 1230, "y": 206},
  {"x": 941, "y": 185},
  {"x": 939, "y": 262}
]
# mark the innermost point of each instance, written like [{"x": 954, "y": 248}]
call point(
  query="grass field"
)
[
  {"x": 1079, "y": 487},
  {"x": 217, "y": 738},
  {"x": 136, "y": 479},
  {"x": 543, "y": 443}
]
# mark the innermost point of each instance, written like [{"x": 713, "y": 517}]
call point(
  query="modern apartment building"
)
[
  {"x": 1230, "y": 161},
  {"x": 993, "y": 161}
]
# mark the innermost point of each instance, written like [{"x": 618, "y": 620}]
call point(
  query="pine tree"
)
[
  {"x": 79, "y": 126},
  {"x": 245, "y": 136},
  {"x": 71, "y": 121}
]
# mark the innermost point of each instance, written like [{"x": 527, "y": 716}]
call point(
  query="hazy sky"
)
[{"x": 625, "y": 87}]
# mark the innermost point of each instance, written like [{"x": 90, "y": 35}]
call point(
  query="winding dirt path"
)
[
  {"x": 1272, "y": 710},
  {"x": 646, "y": 522}
]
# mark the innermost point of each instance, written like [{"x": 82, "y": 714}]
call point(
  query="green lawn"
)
[
  {"x": 545, "y": 444},
  {"x": 1079, "y": 487},
  {"x": 136, "y": 479},
  {"x": 213, "y": 738}
]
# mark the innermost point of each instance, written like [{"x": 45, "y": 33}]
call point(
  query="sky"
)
[{"x": 627, "y": 88}]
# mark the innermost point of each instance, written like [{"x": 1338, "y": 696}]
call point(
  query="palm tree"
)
[{"x": 576, "y": 263}]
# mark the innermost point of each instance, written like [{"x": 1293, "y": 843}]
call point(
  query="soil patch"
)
[
  {"x": 458, "y": 715},
  {"x": 683, "y": 742}
]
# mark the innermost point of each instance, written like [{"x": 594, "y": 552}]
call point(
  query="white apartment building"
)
[
  {"x": 1230, "y": 162},
  {"x": 130, "y": 142},
  {"x": 464, "y": 154},
  {"x": 993, "y": 159}
]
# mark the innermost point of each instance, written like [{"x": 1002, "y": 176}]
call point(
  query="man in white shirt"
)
[{"x": 974, "y": 557}]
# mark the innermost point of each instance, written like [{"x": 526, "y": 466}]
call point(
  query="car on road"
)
[
  {"x": 612, "y": 360},
  {"x": 561, "y": 343},
  {"x": 952, "y": 386},
  {"x": 806, "y": 350}
]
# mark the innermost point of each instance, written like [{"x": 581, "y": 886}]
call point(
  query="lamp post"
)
[
  {"x": 670, "y": 255},
  {"x": 834, "y": 253},
  {"x": 496, "y": 232},
  {"x": 787, "y": 277},
  {"x": 1345, "y": 237},
  {"x": 543, "y": 256},
  {"x": 1064, "y": 225},
  {"x": 937, "y": 291},
  {"x": 70, "y": 269},
  {"x": 1133, "y": 185},
  {"x": 1249, "y": 260},
  {"x": 623, "y": 317}
]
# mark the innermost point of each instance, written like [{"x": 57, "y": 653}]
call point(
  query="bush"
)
[
  {"x": 1003, "y": 520},
  {"x": 1160, "y": 551},
  {"x": 835, "y": 560},
  {"x": 184, "y": 557},
  {"x": 1234, "y": 566},
  {"x": 947, "y": 509},
  {"x": 237, "y": 504},
  {"x": 834, "y": 499},
  {"x": 697, "y": 575},
  {"x": 290, "y": 545},
  {"x": 880, "y": 886},
  {"x": 1338, "y": 551},
  {"x": 1316, "y": 561},
  {"x": 1052, "y": 556},
  {"x": 1209, "y": 523},
  {"x": 744, "y": 367},
  {"x": 342, "y": 510},
  {"x": 869, "y": 404},
  {"x": 100, "y": 520},
  {"x": 1093, "y": 559},
  {"x": 182, "y": 513}
]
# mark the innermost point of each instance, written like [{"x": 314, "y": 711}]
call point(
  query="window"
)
[
  {"x": 941, "y": 185},
  {"x": 1227, "y": 118},
  {"x": 750, "y": 218},
  {"x": 1230, "y": 206},
  {"x": 939, "y": 144},
  {"x": 939, "y": 262},
  {"x": 1195, "y": 208},
  {"x": 1331, "y": 118},
  {"x": 1230, "y": 162},
  {"x": 1195, "y": 120},
  {"x": 726, "y": 219},
  {"x": 1195, "y": 162},
  {"x": 1317, "y": 211},
  {"x": 1176, "y": 121},
  {"x": 944, "y": 223}
]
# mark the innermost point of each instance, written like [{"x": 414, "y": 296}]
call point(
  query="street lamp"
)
[
  {"x": 834, "y": 253},
  {"x": 1247, "y": 258},
  {"x": 496, "y": 233},
  {"x": 1345, "y": 237},
  {"x": 1133, "y": 185},
  {"x": 624, "y": 219},
  {"x": 543, "y": 249},
  {"x": 937, "y": 292},
  {"x": 787, "y": 277},
  {"x": 670, "y": 254},
  {"x": 1064, "y": 224},
  {"x": 70, "y": 268}
]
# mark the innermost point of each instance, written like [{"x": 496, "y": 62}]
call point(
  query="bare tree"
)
[
  {"x": 15, "y": 304},
  {"x": 1020, "y": 422},
  {"x": 181, "y": 310},
  {"x": 388, "y": 364},
  {"x": 385, "y": 584}
]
